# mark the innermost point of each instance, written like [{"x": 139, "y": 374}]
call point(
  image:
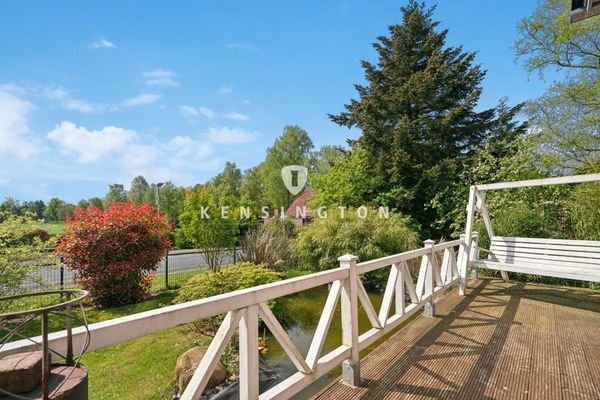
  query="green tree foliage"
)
[
  {"x": 549, "y": 40},
  {"x": 116, "y": 194},
  {"x": 228, "y": 182},
  {"x": 57, "y": 210},
  {"x": 325, "y": 158},
  {"x": 417, "y": 114},
  {"x": 21, "y": 253},
  {"x": 319, "y": 244},
  {"x": 585, "y": 212},
  {"x": 567, "y": 117},
  {"x": 252, "y": 188},
  {"x": 202, "y": 224},
  {"x": 138, "y": 190},
  {"x": 171, "y": 201},
  {"x": 96, "y": 202},
  {"x": 11, "y": 206},
  {"x": 36, "y": 208},
  {"x": 83, "y": 203},
  {"x": 150, "y": 197},
  {"x": 347, "y": 182},
  {"x": 291, "y": 148}
]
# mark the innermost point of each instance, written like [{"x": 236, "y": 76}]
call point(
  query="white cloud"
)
[
  {"x": 236, "y": 116},
  {"x": 102, "y": 44},
  {"x": 225, "y": 135},
  {"x": 159, "y": 77},
  {"x": 15, "y": 135},
  {"x": 82, "y": 106},
  {"x": 70, "y": 103},
  {"x": 142, "y": 99},
  {"x": 191, "y": 112},
  {"x": 131, "y": 154},
  {"x": 241, "y": 46},
  {"x": 226, "y": 90},
  {"x": 207, "y": 112},
  {"x": 90, "y": 146}
]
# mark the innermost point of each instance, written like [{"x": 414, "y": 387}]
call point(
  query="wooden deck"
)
[{"x": 501, "y": 341}]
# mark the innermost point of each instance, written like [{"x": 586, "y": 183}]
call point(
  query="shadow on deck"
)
[{"x": 501, "y": 341}]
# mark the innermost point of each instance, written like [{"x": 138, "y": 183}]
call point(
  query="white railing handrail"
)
[
  {"x": 117, "y": 330},
  {"x": 372, "y": 265},
  {"x": 243, "y": 308},
  {"x": 561, "y": 180}
]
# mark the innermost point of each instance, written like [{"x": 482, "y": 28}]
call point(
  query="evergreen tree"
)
[{"x": 417, "y": 114}]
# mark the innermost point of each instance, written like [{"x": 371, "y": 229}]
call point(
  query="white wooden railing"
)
[{"x": 437, "y": 272}]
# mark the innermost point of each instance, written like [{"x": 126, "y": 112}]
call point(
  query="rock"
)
[
  {"x": 21, "y": 373},
  {"x": 187, "y": 364}
]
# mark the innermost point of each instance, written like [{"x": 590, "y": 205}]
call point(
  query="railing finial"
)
[{"x": 346, "y": 258}]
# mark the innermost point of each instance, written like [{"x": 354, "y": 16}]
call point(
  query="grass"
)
[
  {"x": 176, "y": 279},
  {"x": 143, "y": 368},
  {"x": 53, "y": 228}
]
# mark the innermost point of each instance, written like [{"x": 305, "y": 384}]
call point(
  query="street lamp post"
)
[{"x": 158, "y": 186}]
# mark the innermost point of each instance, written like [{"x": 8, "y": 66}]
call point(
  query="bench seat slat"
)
[
  {"x": 509, "y": 256},
  {"x": 588, "y": 252},
  {"x": 566, "y": 242},
  {"x": 539, "y": 269},
  {"x": 572, "y": 259}
]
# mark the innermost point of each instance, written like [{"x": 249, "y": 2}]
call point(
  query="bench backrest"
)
[{"x": 584, "y": 254}]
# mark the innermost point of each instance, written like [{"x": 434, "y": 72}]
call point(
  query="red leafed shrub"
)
[
  {"x": 40, "y": 234},
  {"x": 114, "y": 251}
]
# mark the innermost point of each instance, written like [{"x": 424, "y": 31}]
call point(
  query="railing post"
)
[
  {"x": 474, "y": 255},
  {"x": 429, "y": 309},
  {"x": 249, "y": 373},
  {"x": 62, "y": 276},
  {"x": 167, "y": 271},
  {"x": 349, "y": 301},
  {"x": 466, "y": 247}
]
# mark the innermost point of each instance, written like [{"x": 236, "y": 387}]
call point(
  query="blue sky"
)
[{"x": 98, "y": 92}]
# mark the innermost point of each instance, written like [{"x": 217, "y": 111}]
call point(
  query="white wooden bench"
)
[{"x": 570, "y": 259}]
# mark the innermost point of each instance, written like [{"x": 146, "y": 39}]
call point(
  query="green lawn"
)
[
  {"x": 143, "y": 368},
  {"x": 53, "y": 228}
]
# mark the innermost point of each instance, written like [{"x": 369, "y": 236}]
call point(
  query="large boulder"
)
[
  {"x": 187, "y": 364},
  {"x": 21, "y": 373}
]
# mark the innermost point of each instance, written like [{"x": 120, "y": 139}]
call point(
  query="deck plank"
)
[{"x": 504, "y": 340}]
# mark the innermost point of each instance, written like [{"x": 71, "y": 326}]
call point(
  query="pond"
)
[{"x": 302, "y": 312}]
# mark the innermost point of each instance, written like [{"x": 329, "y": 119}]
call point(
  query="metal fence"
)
[{"x": 171, "y": 272}]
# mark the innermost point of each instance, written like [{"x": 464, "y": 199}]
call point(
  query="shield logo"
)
[{"x": 294, "y": 178}]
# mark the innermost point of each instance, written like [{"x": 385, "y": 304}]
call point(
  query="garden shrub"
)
[
  {"x": 22, "y": 253},
  {"x": 319, "y": 244},
  {"x": 37, "y": 234},
  {"x": 583, "y": 205},
  {"x": 266, "y": 246},
  {"x": 113, "y": 251},
  {"x": 227, "y": 279}
]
